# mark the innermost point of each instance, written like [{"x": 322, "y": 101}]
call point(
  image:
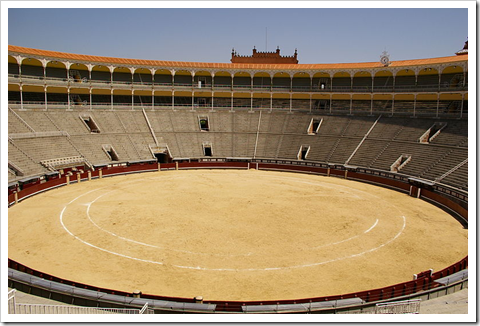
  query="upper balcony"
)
[{"x": 259, "y": 88}]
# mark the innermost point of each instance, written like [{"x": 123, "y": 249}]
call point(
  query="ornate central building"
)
[{"x": 264, "y": 57}]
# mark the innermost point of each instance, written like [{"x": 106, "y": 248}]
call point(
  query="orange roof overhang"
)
[{"x": 183, "y": 64}]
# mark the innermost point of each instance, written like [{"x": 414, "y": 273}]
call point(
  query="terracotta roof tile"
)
[{"x": 237, "y": 66}]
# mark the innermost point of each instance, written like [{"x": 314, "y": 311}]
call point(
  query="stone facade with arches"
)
[{"x": 424, "y": 87}]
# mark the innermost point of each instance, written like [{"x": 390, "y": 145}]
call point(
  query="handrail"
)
[{"x": 262, "y": 88}]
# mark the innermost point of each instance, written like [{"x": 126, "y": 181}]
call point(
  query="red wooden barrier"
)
[
  {"x": 445, "y": 201},
  {"x": 379, "y": 180}
]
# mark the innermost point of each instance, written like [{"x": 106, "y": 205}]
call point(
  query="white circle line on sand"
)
[
  {"x": 351, "y": 238},
  {"x": 224, "y": 269},
  {"x": 306, "y": 265},
  {"x": 374, "y": 225},
  {"x": 200, "y": 253},
  {"x": 229, "y": 269},
  {"x": 146, "y": 244},
  {"x": 99, "y": 248}
]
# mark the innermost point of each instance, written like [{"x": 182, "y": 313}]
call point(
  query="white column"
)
[
  {"x": 393, "y": 103},
  {"x": 45, "y": 91},
  {"x": 111, "y": 86},
  {"x": 193, "y": 90},
  {"x": 132, "y": 71},
  {"x": 133, "y": 98},
  {"x": 371, "y": 104},
  {"x": 153, "y": 100},
  {"x": 153, "y": 88},
  {"x": 173, "y": 89},
  {"x": 21, "y": 96},
  {"x": 44, "y": 64},
  {"x": 330, "y": 104},
  {"x": 461, "y": 105},
  {"x": 414, "y": 104},
  {"x": 351, "y": 101}
]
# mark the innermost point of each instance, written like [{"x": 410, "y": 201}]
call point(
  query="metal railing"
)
[
  {"x": 399, "y": 307},
  {"x": 39, "y": 134},
  {"x": 27, "y": 308},
  {"x": 255, "y": 88}
]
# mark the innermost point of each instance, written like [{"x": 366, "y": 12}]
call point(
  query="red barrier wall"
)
[
  {"x": 445, "y": 201},
  {"x": 379, "y": 180},
  {"x": 38, "y": 188},
  {"x": 193, "y": 165},
  {"x": 301, "y": 168}
]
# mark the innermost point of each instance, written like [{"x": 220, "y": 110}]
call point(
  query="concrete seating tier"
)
[
  {"x": 458, "y": 179},
  {"x": 242, "y": 133},
  {"x": 44, "y": 148},
  {"x": 24, "y": 162}
]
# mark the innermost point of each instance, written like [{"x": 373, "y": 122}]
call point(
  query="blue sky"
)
[{"x": 321, "y": 35}]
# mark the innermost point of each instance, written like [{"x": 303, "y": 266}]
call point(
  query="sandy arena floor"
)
[{"x": 232, "y": 234}]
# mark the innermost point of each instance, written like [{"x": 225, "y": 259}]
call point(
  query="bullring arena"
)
[
  {"x": 234, "y": 235},
  {"x": 237, "y": 188}
]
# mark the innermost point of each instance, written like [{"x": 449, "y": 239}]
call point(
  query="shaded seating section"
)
[
  {"x": 16, "y": 124},
  {"x": 51, "y": 134},
  {"x": 24, "y": 162},
  {"x": 38, "y": 120},
  {"x": 44, "y": 148},
  {"x": 69, "y": 121},
  {"x": 459, "y": 178},
  {"x": 454, "y": 134}
]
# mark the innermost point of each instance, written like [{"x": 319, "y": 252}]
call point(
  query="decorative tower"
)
[
  {"x": 464, "y": 50},
  {"x": 264, "y": 57}
]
